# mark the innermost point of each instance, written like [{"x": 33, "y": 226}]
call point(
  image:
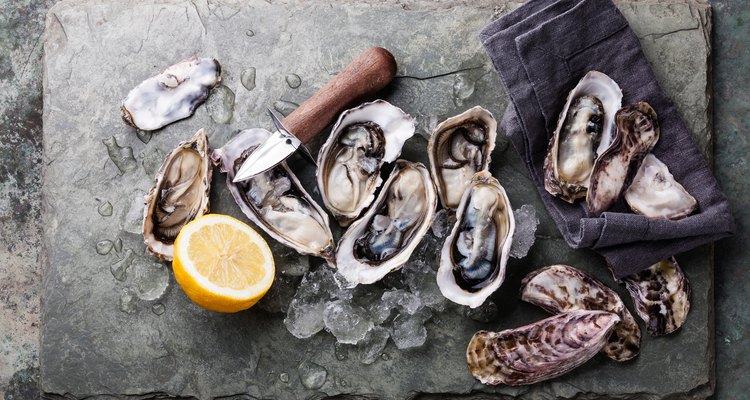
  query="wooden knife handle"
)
[{"x": 366, "y": 75}]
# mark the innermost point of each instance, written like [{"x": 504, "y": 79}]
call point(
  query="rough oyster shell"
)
[
  {"x": 179, "y": 196},
  {"x": 275, "y": 200},
  {"x": 474, "y": 255},
  {"x": 543, "y": 350},
  {"x": 636, "y": 135},
  {"x": 385, "y": 236},
  {"x": 561, "y": 288},
  {"x": 349, "y": 162},
  {"x": 584, "y": 130},
  {"x": 661, "y": 294},
  {"x": 458, "y": 148},
  {"x": 656, "y": 194},
  {"x": 172, "y": 95}
]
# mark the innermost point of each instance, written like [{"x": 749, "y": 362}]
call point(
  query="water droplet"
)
[
  {"x": 247, "y": 77},
  {"x": 249, "y": 33},
  {"x": 132, "y": 221},
  {"x": 341, "y": 351},
  {"x": 312, "y": 376},
  {"x": 158, "y": 308},
  {"x": 293, "y": 80},
  {"x": 120, "y": 267},
  {"x": 385, "y": 356},
  {"x": 104, "y": 247},
  {"x": 220, "y": 104},
  {"x": 284, "y": 377},
  {"x": 284, "y": 107},
  {"x": 150, "y": 279},
  {"x": 105, "y": 209},
  {"x": 463, "y": 88},
  {"x": 127, "y": 302},
  {"x": 144, "y": 136},
  {"x": 118, "y": 245},
  {"x": 151, "y": 159},
  {"x": 121, "y": 156}
]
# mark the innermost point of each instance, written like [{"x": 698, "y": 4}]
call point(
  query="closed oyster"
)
[
  {"x": 172, "y": 95},
  {"x": 349, "y": 162},
  {"x": 539, "y": 351},
  {"x": 636, "y": 135},
  {"x": 179, "y": 196},
  {"x": 656, "y": 194},
  {"x": 385, "y": 236},
  {"x": 584, "y": 130},
  {"x": 661, "y": 294},
  {"x": 474, "y": 255},
  {"x": 560, "y": 288},
  {"x": 458, "y": 148},
  {"x": 275, "y": 200}
]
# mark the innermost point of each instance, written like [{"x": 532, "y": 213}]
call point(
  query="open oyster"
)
[
  {"x": 539, "y": 351},
  {"x": 656, "y": 194},
  {"x": 560, "y": 288},
  {"x": 636, "y": 135},
  {"x": 584, "y": 130},
  {"x": 180, "y": 194},
  {"x": 661, "y": 294},
  {"x": 458, "y": 148},
  {"x": 385, "y": 236},
  {"x": 349, "y": 162},
  {"x": 275, "y": 200},
  {"x": 473, "y": 258},
  {"x": 172, "y": 95}
]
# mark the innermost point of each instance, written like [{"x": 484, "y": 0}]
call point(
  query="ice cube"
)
[
  {"x": 373, "y": 344},
  {"x": 487, "y": 312},
  {"x": 347, "y": 322},
  {"x": 394, "y": 299},
  {"x": 132, "y": 220},
  {"x": 304, "y": 318},
  {"x": 312, "y": 375},
  {"x": 150, "y": 279},
  {"x": 524, "y": 236},
  {"x": 421, "y": 279},
  {"x": 408, "y": 331},
  {"x": 443, "y": 223}
]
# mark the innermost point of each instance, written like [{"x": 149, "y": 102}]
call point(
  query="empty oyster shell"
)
[
  {"x": 349, "y": 162},
  {"x": 458, "y": 148},
  {"x": 385, "y": 236},
  {"x": 474, "y": 255},
  {"x": 179, "y": 196},
  {"x": 656, "y": 194},
  {"x": 543, "y": 350},
  {"x": 661, "y": 294},
  {"x": 561, "y": 288},
  {"x": 636, "y": 135},
  {"x": 275, "y": 200},
  {"x": 172, "y": 95},
  {"x": 584, "y": 130}
]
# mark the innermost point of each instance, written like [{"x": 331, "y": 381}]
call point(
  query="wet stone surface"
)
[{"x": 131, "y": 317}]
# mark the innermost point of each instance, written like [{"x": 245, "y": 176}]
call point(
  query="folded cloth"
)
[{"x": 541, "y": 51}]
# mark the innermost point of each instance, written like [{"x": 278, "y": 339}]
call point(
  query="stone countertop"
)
[{"x": 19, "y": 193}]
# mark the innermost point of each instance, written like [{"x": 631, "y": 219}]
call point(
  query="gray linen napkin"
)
[{"x": 540, "y": 51}]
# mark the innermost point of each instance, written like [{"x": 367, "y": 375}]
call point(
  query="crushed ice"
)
[{"x": 525, "y": 234}]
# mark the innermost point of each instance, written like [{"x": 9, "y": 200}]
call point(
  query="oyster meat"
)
[
  {"x": 474, "y": 255},
  {"x": 458, "y": 148},
  {"x": 275, "y": 200},
  {"x": 179, "y": 196},
  {"x": 172, "y": 95},
  {"x": 383, "y": 239},
  {"x": 661, "y": 294},
  {"x": 656, "y": 194},
  {"x": 561, "y": 288},
  {"x": 349, "y": 162},
  {"x": 636, "y": 135},
  {"x": 543, "y": 350},
  {"x": 584, "y": 130}
]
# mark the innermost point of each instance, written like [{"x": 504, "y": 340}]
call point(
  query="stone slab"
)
[{"x": 97, "y": 339}]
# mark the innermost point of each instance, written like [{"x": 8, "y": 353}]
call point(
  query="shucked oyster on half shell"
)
[
  {"x": 275, "y": 200},
  {"x": 661, "y": 294},
  {"x": 584, "y": 130},
  {"x": 349, "y": 162},
  {"x": 543, "y": 350},
  {"x": 458, "y": 148},
  {"x": 561, "y": 288},
  {"x": 383, "y": 239},
  {"x": 474, "y": 255},
  {"x": 656, "y": 194},
  {"x": 172, "y": 95},
  {"x": 179, "y": 196},
  {"x": 637, "y": 131}
]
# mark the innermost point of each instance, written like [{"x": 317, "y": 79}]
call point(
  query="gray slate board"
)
[{"x": 99, "y": 336}]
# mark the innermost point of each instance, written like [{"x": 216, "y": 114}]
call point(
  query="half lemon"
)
[{"x": 222, "y": 264}]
